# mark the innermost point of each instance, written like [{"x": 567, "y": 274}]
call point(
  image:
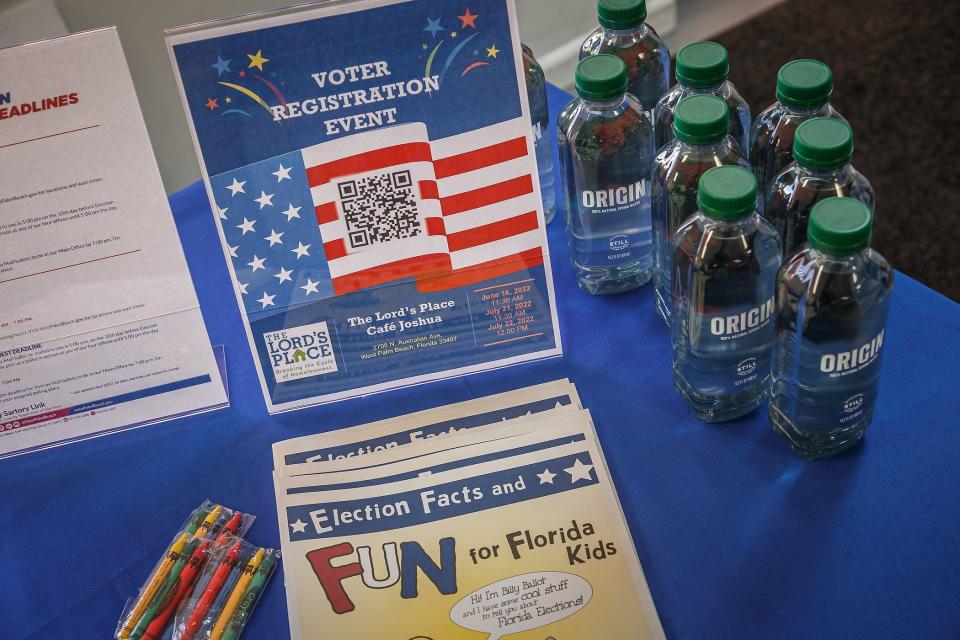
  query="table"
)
[{"x": 738, "y": 537}]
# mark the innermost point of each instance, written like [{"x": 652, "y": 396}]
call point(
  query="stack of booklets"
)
[{"x": 491, "y": 518}]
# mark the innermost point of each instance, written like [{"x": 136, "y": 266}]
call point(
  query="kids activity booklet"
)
[
  {"x": 371, "y": 169},
  {"x": 519, "y": 538}
]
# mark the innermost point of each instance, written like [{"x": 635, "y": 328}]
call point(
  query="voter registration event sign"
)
[{"x": 371, "y": 168}]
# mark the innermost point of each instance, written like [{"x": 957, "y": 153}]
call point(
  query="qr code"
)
[{"x": 379, "y": 208}]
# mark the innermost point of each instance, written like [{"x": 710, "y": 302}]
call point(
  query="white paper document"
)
[{"x": 100, "y": 328}]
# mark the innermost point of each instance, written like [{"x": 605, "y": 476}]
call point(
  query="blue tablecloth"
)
[{"x": 738, "y": 537}]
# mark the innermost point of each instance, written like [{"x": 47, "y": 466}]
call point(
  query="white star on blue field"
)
[{"x": 273, "y": 239}]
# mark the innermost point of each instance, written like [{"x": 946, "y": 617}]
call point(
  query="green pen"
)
[
  {"x": 169, "y": 584},
  {"x": 196, "y": 521},
  {"x": 249, "y": 598}
]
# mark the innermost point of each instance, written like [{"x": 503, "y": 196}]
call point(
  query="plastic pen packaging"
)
[
  {"x": 197, "y": 516},
  {"x": 226, "y": 592},
  {"x": 210, "y": 518},
  {"x": 157, "y": 582},
  {"x": 220, "y": 520},
  {"x": 208, "y": 522},
  {"x": 156, "y": 616}
]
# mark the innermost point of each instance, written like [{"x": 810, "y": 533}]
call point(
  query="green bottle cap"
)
[
  {"x": 601, "y": 77},
  {"x": 621, "y": 14},
  {"x": 701, "y": 119},
  {"x": 804, "y": 84},
  {"x": 840, "y": 226},
  {"x": 823, "y": 143},
  {"x": 702, "y": 64},
  {"x": 727, "y": 193}
]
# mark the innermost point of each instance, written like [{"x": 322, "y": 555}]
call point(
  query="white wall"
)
[
  {"x": 553, "y": 28},
  {"x": 29, "y": 20}
]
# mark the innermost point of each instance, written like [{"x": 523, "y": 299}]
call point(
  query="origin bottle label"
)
[
  {"x": 616, "y": 199},
  {"x": 617, "y": 219},
  {"x": 847, "y": 378},
  {"x": 837, "y": 382},
  {"x": 738, "y": 325},
  {"x": 852, "y": 361},
  {"x": 737, "y": 345}
]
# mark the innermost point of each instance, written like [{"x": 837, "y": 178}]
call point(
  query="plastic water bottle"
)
[
  {"x": 822, "y": 149},
  {"x": 804, "y": 88},
  {"x": 833, "y": 298},
  {"x": 624, "y": 33},
  {"x": 537, "y": 95},
  {"x": 703, "y": 67},
  {"x": 606, "y": 153},
  {"x": 725, "y": 267},
  {"x": 701, "y": 143}
]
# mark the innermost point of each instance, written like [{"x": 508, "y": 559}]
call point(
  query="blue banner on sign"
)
[{"x": 442, "y": 501}]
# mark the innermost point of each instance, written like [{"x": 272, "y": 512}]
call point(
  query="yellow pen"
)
[
  {"x": 151, "y": 589},
  {"x": 236, "y": 595},
  {"x": 209, "y": 521}
]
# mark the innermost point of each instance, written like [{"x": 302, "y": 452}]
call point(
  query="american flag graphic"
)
[{"x": 381, "y": 206}]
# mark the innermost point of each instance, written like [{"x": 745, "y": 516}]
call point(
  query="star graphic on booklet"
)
[
  {"x": 299, "y": 526},
  {"x": 579, "y": 471},
  {"x": 546, "y": 477}
]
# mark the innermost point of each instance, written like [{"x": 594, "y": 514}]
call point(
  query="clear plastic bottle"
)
[
  {"x": 822, "y": 149},
  {"x": 623, "y": 33},
  {"x": 702, "y": 68},
  {"x": 804, "y": 88},
  {"x": 540, "y": 117},
  {"x": 725, "y": 267},
  {"x": 701, "y": 143},
  {"x": 833, "y": 298},
  {"x": 606, "y": 153}
]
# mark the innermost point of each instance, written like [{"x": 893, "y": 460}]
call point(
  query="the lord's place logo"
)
[{"x": 301, "y": 352}]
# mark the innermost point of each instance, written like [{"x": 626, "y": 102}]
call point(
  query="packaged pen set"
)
[{"x": 207, "y": 583}]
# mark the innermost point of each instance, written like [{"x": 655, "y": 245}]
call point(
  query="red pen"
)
[
  {"x": 227, "y": 563},
  {"x": 187, "y": 577},
  {"x": 229, "y": 529}
]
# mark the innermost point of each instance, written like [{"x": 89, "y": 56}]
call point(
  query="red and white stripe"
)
[
  {"x": 489, "y": 204},
  {"x": 400, "y": 147},
  {"x": 476, "y": 198}
]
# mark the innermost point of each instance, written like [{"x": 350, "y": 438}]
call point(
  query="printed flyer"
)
[
  {"x": 298, "y": 456},
  {"x": 371, "y": 169},
  {"x": 517, "y": 538},
  {"x": 100, "y": 327}
]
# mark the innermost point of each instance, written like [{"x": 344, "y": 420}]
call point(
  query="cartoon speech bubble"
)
[{"x": 522, "y": 603}]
